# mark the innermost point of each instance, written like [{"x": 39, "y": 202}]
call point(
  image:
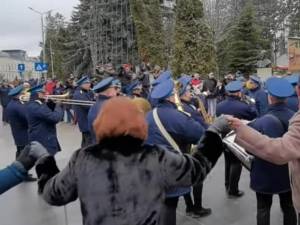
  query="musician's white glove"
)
[{"x": 220, "y": 126}]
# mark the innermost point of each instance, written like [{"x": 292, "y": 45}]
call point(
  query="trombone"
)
[{"x": 62, "y": 99}]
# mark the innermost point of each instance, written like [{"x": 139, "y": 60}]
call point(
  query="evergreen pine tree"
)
[
  {"x": 149, "y": 30},
  {"x": 194, "y": 49},
  {"x": 294, "y": 24},
  {"x": 246, "y": 44},
  {"x": 77, "y": 55},
  {"x": 56, "y": 35},
  {"x": 223, "y": 49}
]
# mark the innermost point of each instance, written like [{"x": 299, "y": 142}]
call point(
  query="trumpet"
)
[{"x": 62, "y": 99}]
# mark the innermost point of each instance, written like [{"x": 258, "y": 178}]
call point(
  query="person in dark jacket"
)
[
  {"x": 268, "y": 179},
  {"x": 144, "y": 78},
  {"x": 183, "y": 130},
  {"x": 135, "y": 89},
  {"x": 233, "y": 105},
  {"x": 83, "y": 93},
  {"x": 106, "y": 89},
  {"x": 193, "y": 208},
  {"x": 59, "y": 88},
  {"x": 256, "y": 92},
  {"x": 103, "y": 170},
  {"x": 42, "y": 120},
  {"x": 163, "y": 76},
  {"x": 211, "y": 90},
  {"x": 69, "y": 88},
  {"x": 16, "y": 173},
  {"x": 292, "y": 101},
  {"x": 4, "y": 100},
  {"x": 17, "y": 117}
]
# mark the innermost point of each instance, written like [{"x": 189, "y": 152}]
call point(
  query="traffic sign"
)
[
  {"x": 21, "y": 67},
  {"x": 40, "y": 67},
  {"x": 45, "y": 66}
]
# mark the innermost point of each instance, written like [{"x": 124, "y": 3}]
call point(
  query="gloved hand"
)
[
  {"x": 220, "y": 126},
  {"x": 37, "y": 150},
  {"x": 30, "y": 154},
  {"x": 46, "y": 168},
  {"x": 211, "y": 146},
  {"x": 51, "y": 104},
  {"x": 26, "y": 159}
]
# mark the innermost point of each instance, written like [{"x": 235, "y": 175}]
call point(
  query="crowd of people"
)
[{"x": 149, "y": 139}]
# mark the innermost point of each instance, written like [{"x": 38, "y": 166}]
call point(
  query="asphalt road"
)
[{"x": 22, "y": 206}]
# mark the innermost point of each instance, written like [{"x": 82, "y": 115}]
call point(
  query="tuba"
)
[{"x": 245, "y": 158}]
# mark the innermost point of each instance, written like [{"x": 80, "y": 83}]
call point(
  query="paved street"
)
[{"x": 22, "y": 205}]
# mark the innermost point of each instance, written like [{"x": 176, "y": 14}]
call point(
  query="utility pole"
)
[
  {"x": 51, "y": 56},
  {"x": 43, "y": 30}
]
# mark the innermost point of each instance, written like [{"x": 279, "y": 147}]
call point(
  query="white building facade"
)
[{"x": 9, "y": 60}]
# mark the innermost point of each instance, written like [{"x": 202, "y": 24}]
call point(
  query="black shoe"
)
[
  {"x": 201, "y": 212},
  {"x": 29, "y": 178},
  {"x": 189, "y": 211},
  {"x": 236, "y": 194}
]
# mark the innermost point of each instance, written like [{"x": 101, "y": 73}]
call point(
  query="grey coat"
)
[{"x": 123, "y": 188}]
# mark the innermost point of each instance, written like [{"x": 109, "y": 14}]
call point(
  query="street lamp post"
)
[{"x": 43, "y": 30}]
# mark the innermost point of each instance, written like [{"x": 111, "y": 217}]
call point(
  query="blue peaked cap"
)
[
  {"x": 83, "y": 80},
  {"x": 184, "y": 80},
  {"x": 134, "y": 85},
  {"x": 241, "y": 78},
  {"x": 279, "y": 87},
  {"x": 293, "y": 79},
  {"x": 255, "y": 79},
  {"x": 15, "y": 91},
  {"x": 107, "y": 83},
  {"x": 234, "y": 86},
  {"x": 163, "y": 90},
  {"x": 116, "y": 83},
  {"x": 37, "y": 88},
  {"x": 164, "y": 76}
]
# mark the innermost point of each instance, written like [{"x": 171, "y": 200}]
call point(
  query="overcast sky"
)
[{"x": 20, "y": 28}]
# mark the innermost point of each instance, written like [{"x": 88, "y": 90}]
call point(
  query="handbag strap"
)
[{"x": 162, "y": 129}]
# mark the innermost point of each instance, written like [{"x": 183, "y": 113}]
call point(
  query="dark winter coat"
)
[
  {"x": 293, "y": 103},
  {"x": 190, "y": 108},
  {"x": 121, "y": 185},
  {"x": 82, "y": 111},
  {"x": 17, "y": 117},
  {"x": 267, "y": 177},
  {"x": 93, "y": 112},
  {"x": 235, "y": 107},
  {"x": 183, "y": 129},
  {"x": 4, "y": 98},
  {"x": 42, "y": 124},
  {"x": 12, "y": 176},
  {"x": 211, "y": 86},
  {"x": 261, "y": 100}
]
